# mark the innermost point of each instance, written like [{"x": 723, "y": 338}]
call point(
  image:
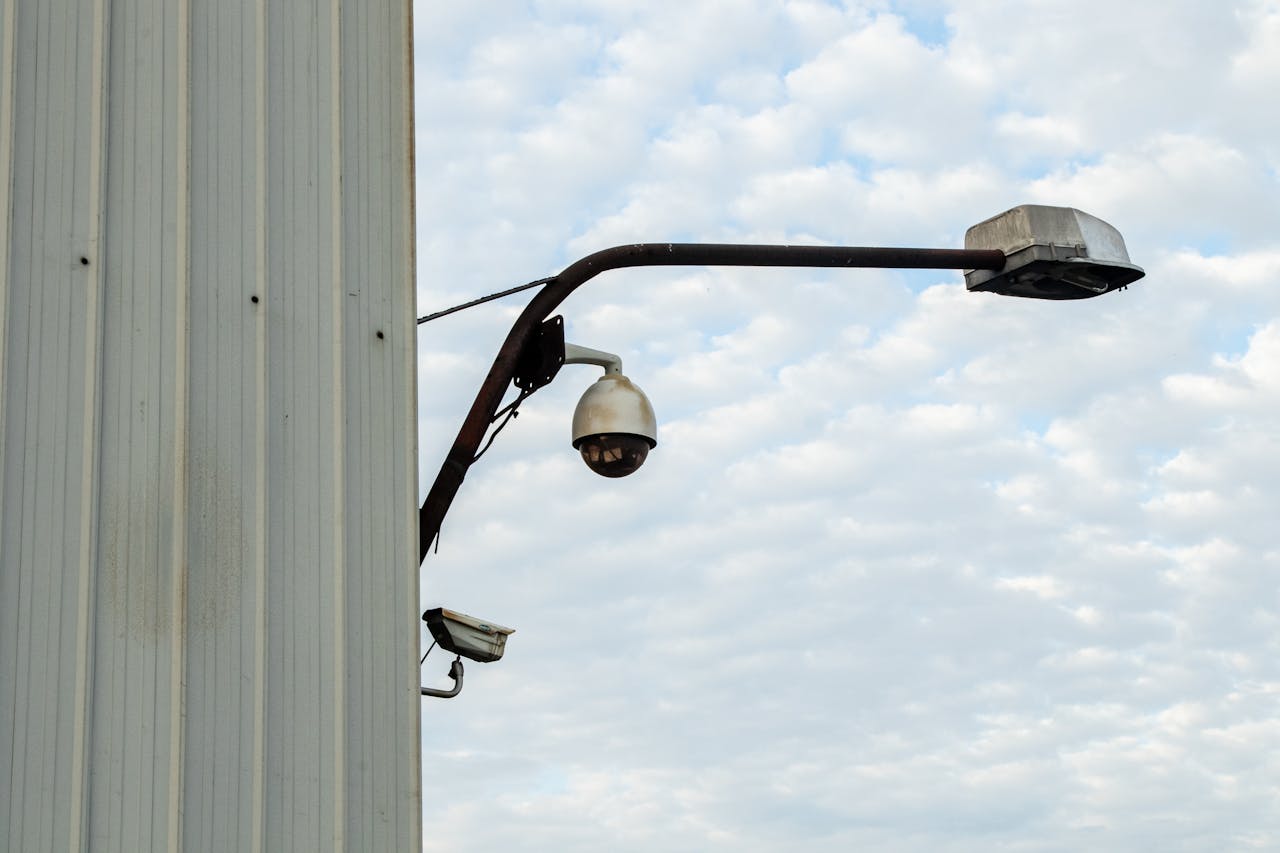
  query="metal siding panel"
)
[
  {"x": 50, "y": 110},
  {"x": 136, "y": 733},
  {"x": 302, "y": 391},
  {"x": 380, "y": 340},
  {"x": 8, "y": 79},
  {"x": 207, "y": 539},
  {"x": 225, "y": 579}
]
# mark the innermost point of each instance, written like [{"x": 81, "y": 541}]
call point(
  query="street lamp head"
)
[
  {"x": 1051, "y": 253},
  {"x": 614, "y": 427}
]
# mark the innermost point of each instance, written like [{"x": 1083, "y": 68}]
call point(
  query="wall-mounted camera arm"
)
[
  {"x": 556, "y": 290},
  {"x": 455, "y": 672},
  {"x": 574, "y": 354}
]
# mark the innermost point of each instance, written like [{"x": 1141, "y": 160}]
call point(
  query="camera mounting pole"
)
[
  {"x": 557, "y": 289},
  {"x": 455, "y": 672}
]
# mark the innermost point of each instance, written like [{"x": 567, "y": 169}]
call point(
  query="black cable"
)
[
  {"x": 482, "y": 300},
  {"x": 510, "y": 412}
]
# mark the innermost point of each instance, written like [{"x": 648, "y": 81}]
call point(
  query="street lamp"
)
[{"x": 1030, "y": 251}]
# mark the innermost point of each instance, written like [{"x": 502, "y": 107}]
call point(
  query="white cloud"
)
[
  {"x": 1257, "y": 65},
  {"x": 1041, "y": 586},
  {"x": 1178, "y": 185}
]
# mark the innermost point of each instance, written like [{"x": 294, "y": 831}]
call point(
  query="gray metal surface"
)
[
  {"x": 208, "y": 586},
  {"x": 1051, "y": 253}
]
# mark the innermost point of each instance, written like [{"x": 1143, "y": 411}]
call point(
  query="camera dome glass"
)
[{"x": 613, "y": 454}]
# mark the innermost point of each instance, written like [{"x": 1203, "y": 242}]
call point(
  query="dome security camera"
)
[{"x": 614, "y": 427}]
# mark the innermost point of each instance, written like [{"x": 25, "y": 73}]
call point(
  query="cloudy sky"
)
[{"x": 911, "y": 569}]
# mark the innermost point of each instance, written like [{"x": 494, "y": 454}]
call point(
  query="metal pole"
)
[{"x": 557, "y": 289}]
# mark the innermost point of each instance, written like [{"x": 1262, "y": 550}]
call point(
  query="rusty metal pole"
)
[{"x": 494, "y": 387}]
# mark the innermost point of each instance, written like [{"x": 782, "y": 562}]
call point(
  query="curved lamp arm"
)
[{"x": 494, "y": 387}]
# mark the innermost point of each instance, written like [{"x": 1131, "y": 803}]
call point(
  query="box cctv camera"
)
[{"x": 474, "y": 639}]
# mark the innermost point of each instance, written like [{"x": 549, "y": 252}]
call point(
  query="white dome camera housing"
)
[{"x": 614, "y": 427}]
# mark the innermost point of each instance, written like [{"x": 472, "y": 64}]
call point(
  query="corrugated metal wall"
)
[{"x": 208, "y": 574}]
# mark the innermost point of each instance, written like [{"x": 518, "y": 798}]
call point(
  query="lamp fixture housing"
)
[{"x": 1051, "y": 253}]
